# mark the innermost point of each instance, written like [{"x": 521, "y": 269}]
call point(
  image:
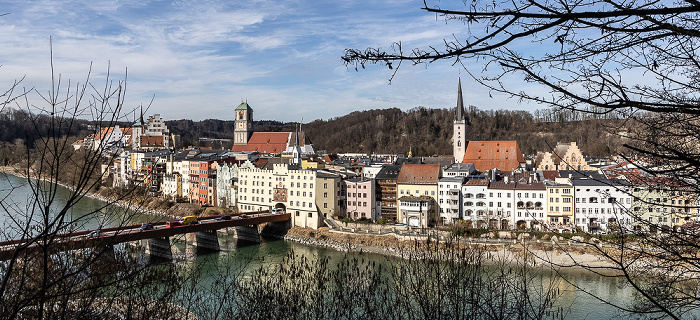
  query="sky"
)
[{"x": 199, "y": 59}]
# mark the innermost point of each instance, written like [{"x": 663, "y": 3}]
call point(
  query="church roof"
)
[
  {"x": 487, "y": 155},
  {"x": 244, "y": 106},
  {"x": 269, "y": 142}
]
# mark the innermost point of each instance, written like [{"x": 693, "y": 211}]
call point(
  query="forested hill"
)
[
  {"x": 425, "y": 131},
  {"x": 429, "y": 132}
]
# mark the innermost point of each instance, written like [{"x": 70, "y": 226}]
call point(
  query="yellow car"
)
[{"x": 188, "y": 220}]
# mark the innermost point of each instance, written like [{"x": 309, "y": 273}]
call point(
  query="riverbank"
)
[
  {"x": 142, "y": 204},
  {"x": 547, "y": 255}
]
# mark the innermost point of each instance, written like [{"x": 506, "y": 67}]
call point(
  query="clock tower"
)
[{"x": 244, "y": 124}]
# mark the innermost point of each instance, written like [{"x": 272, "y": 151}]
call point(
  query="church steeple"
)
[
  {"x": 459, "y": 113},
  {"x": 459, "y": 126}
]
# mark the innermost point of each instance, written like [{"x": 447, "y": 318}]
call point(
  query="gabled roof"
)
[
  {"x": 389, "y": 172},
  {"x": 152, "y": 142},
  {"x": 269, "y": 142},
  {"x": 104, "y": 132},
  {"x": 487, "y": 155},
  {"x": 419, "y": 174},
  {"x": 482, "y": 183},
  {"x": 502, "y": 185}
]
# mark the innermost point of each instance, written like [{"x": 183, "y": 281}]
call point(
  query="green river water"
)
[{"x": 582, "y": 305}]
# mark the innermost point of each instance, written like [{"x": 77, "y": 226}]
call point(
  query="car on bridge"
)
[
  {"x": 222, "y": 218},
  {"x": 146, "y": 226},
  {"x": 172, "y": 224},
  {"x": 188, "y": 220}
]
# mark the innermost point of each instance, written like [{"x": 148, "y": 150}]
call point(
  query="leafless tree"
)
[
  {"x": 98, "y": 282},
  {"x": 636, "y": 60}
]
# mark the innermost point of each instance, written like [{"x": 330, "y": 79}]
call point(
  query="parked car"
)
[
  {"x": 172, "y": 224},
  {"x": 222, "y": 218},
  {"x": 188, "y": 220},
  {"x": 146, "y": 226}
]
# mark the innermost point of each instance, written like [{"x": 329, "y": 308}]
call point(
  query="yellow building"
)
[
  {"x": 417, "y": 189},
  {"x": 560, "y": 205}
]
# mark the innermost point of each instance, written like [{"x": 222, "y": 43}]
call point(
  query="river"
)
[{"x": 576, "y": 303}]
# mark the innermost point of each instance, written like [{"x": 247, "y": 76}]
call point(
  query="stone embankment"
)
[{"x": 545, "y": 254}]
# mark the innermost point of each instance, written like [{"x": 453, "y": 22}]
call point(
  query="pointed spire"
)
[
  {"x": 459, "y": 114},
  {"x": 142, "y": 122}
]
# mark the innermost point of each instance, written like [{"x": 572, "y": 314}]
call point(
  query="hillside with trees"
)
[{"x": 429, "y": 131}]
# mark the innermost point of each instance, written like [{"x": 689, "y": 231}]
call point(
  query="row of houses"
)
[{"x": 413, "y": 191}]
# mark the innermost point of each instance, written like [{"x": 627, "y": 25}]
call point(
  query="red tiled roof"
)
[
  {"x": 550, "y": 175},
  {"x": 269, "y": 142},
  {"x": 104, "y": 132},
  {"x": 152, "y": 141},
  {"x": 478, "y": 183},
  {"x": 419, "y": 174},
  {"x": 486, "y": 155}
]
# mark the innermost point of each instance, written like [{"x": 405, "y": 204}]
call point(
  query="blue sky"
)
[{"x": 198, "y": 59}]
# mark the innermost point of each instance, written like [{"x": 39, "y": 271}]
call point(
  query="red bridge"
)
[{"x": 116, "y": 235}]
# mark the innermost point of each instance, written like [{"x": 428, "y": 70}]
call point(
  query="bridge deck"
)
[{"x": 115, "y": 235}]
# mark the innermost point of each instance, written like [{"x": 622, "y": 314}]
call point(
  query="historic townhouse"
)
[
  {"x": 474, "y": 203},
  {"x": 530, "y": 205},
  {"x": 560, "y": 205},
  {"x": 284, "y": 188},
  {"x": 602, "y": 205},
  {"x": 386, "y": 190},
  {"x": 330, "y": 194},
  {"x": 450, "y": 199},
  {"x": 361, "y": 198},
  {"x": 501, "y": 204},
  {"x": 417, "y": 192},
  {"x": 565, "y": 156},
  {"x": 661, "y": 204}
]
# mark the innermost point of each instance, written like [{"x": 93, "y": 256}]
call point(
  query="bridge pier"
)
[
  {"x": 206, "y": 240},
  {"x": 246, "y": 235},
  {"x": 159, "y": 247}
]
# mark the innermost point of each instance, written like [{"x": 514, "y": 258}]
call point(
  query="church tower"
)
[
  {"x": 459, "y": 135},
  {"x": 244, "y": 124}
]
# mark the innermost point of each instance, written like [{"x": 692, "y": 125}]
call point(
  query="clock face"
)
[{"x": 240, "y": 125}]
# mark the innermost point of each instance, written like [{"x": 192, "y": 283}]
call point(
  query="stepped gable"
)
[{"x": 487, "y": 155}]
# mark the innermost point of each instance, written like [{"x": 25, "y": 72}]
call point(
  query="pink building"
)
[{"x": 360, "y": 200}]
